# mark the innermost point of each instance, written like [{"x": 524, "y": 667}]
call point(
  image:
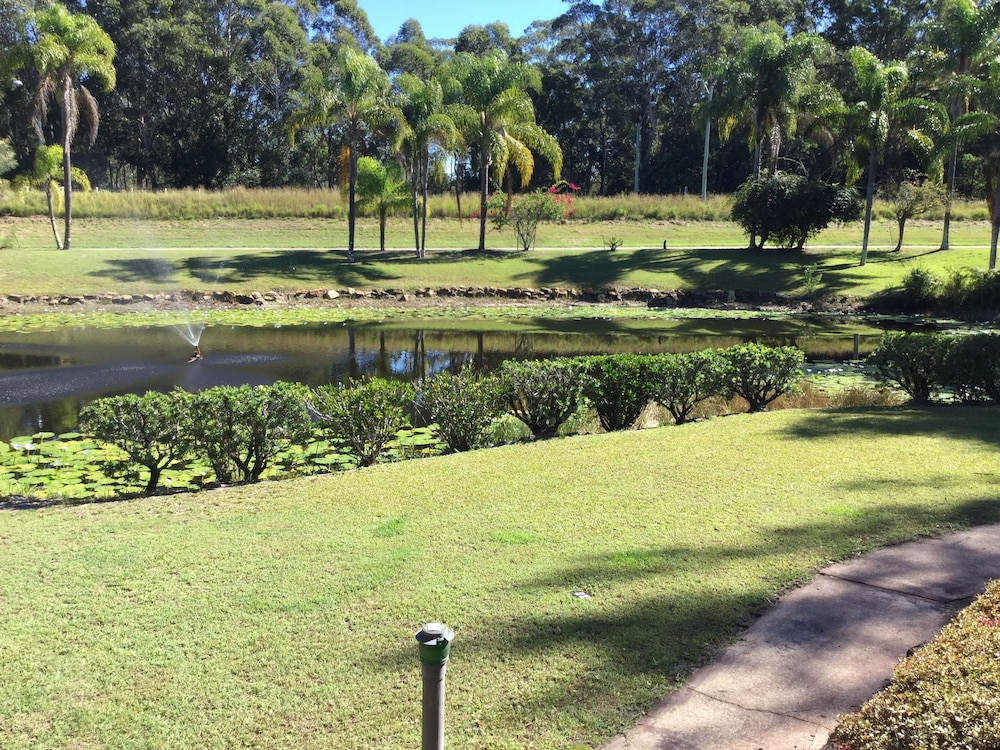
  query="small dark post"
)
[{"x": 435, "y": 644}]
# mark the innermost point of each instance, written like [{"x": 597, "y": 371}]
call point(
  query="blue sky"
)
[{"x": 445, "y": 18}]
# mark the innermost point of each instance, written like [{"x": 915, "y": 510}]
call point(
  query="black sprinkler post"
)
[{"x": 435, "y": 644}]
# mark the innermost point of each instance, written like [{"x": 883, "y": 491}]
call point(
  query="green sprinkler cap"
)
[{"x": 435, "y": 642}]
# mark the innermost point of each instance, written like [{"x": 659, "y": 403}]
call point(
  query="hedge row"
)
[
  {"x": 238, "y": 431},
  {"x": 929, "y": 366}
]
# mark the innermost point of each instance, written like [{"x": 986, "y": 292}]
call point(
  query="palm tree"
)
[
  {"x": 381, "y": 188},
  {"x": 65, "y": 49},
  {"x": 958, "y": 42},
  {"x": 990, "y": 148},
  {"x": 497, "y": 116},
  {"x": 363, "y": 106},
  {"x": 429, "y": 124},
  {"x": 763, "y": 83},
  {"x": 879, "y": 109}
]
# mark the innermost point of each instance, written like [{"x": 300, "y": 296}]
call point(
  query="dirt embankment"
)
[{"x": 444, "y": 297}]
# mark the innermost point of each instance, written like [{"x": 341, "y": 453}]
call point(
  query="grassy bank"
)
[
  {"x": 283, "y": 615},
  {"x": 129, "y": 256}
]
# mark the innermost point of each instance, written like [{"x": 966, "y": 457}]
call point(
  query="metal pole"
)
[{"x": 435, "y": 644}]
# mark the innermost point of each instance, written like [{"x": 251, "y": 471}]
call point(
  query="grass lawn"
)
[
  {"x": 292, "y": 254},
  {"x": 282, "y": 615}
]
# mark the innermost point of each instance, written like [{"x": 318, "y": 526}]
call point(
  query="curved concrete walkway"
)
[{"x": 822, "y": 650}]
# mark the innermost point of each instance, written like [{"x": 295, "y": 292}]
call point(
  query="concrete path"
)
[{"x": 822, "y": 650}]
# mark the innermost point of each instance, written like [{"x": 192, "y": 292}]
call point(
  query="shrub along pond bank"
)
[
  {"x": 135, "y": 444},
  {"x": 234, "y": 434}
]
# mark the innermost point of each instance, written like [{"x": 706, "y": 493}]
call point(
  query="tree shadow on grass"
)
[
  {"x": 302, "y": 266},
  {"x": 636, "y": 651},
  {"x": 975, "y": 423},
  {"x": 698, "y": 269}
]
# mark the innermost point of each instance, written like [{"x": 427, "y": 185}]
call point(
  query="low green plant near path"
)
[
  {"x": 942, "y": 696},
  {"x": 283, "y": 615}
]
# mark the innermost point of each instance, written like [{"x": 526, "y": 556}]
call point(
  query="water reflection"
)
[{"x": 46, "y": 377}]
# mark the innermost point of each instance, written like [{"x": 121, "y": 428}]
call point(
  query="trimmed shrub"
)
[
  {"x": 685, "y": 380},
  {"x": 149, "y": 428},
  {"x": 618, "y": 387},
  {"x": 972, "y": 367},
  {"x": 241, "y": 428},
  {"x": 464, "y": 407},
  {"x": 366, "y": 414},
  {"x": 541, "y": 393},
  {"x": 788, "y": 208},
  {"x": 913, "y": 362},
  {"x": 759, "y": 374},
  {"x": 944, "y": 695}
]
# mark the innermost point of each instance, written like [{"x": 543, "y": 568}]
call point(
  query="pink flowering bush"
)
[{"x": 526, "y": 211}]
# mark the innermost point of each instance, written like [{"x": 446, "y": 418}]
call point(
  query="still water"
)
[{"x": 46, "y": 377}]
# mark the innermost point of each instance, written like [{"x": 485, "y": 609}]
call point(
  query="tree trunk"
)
[
  {"x": 352, "y": 178},
  {"x": 52, "y": 214},
  {"x": 996, "y": 222},
  {"x": 423, "y": 209},
  {"x": 484, "y": 179},
  {"x": 154, "y": 479},
  {"x": 901, "y": 224},
  {"x": 414, "y": 179},
  {"x": 381, "y": 228},
  {"x": 869, "y": 200},
  {"x": 67, "y": 93},
  {"x": 948, "y": 195}
]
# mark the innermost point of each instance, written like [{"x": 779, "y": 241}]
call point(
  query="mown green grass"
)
[
  {"x": 283, "y": 614},
  {"x": 123, "y": 256}
]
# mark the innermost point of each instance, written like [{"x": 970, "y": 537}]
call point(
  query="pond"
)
[{"x": 47, "y": 376}]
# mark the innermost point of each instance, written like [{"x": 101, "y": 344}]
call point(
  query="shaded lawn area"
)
[
  {"x": 141, "y": 257},
  {"x": 282, "y": 615}
]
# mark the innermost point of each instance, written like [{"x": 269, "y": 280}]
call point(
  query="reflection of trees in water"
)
[
  {"x": 524, "y": 348},
  {"x": 338, "y": 352}
]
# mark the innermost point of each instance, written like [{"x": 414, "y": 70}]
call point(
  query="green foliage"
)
[
  {"x": 912, "y": 197},
  {"x": 8, "y": 159},
  {"x": 944, "y": 695},
  {"x": 811, "y": 278},
  {"x": 366, "y": 415},
  {"x": 788, "y": 208},
  {"x": 686, "y": 379},
  {"x": 970, "y": 292},
  {"x": 464, "y": 407},
  {"x": 914, "y": 362},
  {"x": 541, "y": 393},
  {"x": 150, "y": 429},
  {"x": 972, "y": 367},
  {"x": 920, "y": 289},
  {"x": 760, "y": 374},
  {"x": 618, "y": 387},
  {"x": 240, "y": 429},
  {"x": 526, "y": 211}
]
